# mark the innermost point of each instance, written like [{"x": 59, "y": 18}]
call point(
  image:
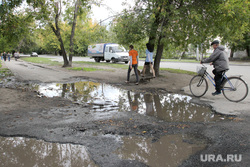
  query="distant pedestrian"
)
[
  {"x": 1, "y": 56},
  {"x": 8, "y": 56},
  {"x": 134, "y": 60},
  {"x": 16, "y": 55},
  {"x": 149, "y": 59},
  {"x": 4, "y": 56}
]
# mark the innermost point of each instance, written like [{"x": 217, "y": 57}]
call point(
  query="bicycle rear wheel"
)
[
  {"x": 198, "y": 86},
  {"x": 235, "y": 89}
]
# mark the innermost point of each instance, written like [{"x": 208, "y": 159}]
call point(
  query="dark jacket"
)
[{"x": 219, "y": 59}]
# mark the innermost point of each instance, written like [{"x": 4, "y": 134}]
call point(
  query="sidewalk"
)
[
  {"x": 239, "y": 63},
  {"x": 220, "y": 104}
]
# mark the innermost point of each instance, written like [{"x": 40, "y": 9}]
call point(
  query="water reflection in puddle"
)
[
  {"x": 19, "y": 151},
  {"x": 169, "y": 150},
  {"x": 104, "y": 97}
]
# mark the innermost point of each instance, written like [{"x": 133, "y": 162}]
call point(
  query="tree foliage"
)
[
  {"x": 14, "y": 25},
  {"x": 236, "y": 29},
  {"x": 182, "y": 22},
  {"x": 49, "y": 26}
]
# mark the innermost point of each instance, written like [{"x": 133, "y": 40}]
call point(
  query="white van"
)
[{"x": 109, "y": 52}]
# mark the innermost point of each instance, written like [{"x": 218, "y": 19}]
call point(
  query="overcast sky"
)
[{"x": 112, "y": 7}]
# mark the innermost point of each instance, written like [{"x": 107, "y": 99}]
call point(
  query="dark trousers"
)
[
  {"x": 218, "y": 78},
  {"x": 136, "y": 72}
]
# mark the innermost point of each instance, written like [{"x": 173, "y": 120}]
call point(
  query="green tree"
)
[
  {"x": 236, "y": 30},
  {"x": 74, "y": 8},
  {"x": 179, "y": 23},
  {"x": 14, "y": 26},
  {"x": 52, "y": 10},
  {"x": 80, "y": 8}
]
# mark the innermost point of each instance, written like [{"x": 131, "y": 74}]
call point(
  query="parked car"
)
[{"x": 34, "y": 54}]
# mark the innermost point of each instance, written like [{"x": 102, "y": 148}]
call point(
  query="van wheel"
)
[
  {"x": 126, "y": 62},
  {"x": 97, "y": 60},
  {"x": 113, "y": 60},
  {"x": 107, "y": 61}
]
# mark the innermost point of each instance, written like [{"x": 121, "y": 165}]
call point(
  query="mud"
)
[{"x": 114, "y": 126}]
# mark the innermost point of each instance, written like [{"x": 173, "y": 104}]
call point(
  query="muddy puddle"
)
[
  {"x": 20, "y": 151},
  {"x": 168, "y": 151},
  {"x": 106, "y": 98}
]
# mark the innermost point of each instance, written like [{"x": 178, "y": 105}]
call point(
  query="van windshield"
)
[{"x": 118, "y": 49}]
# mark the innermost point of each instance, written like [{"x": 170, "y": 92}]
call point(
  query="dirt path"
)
[{"x": 26, "y": 71}]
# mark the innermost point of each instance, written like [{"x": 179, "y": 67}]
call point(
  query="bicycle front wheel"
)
[
  {"x": 198, "y": 86},
  {"x": 235, "y": 89}
]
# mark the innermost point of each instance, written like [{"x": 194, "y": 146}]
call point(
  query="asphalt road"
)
[{"x": 219, "y": 103}]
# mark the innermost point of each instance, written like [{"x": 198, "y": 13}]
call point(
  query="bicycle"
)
[{"x": 234, "y": 88}]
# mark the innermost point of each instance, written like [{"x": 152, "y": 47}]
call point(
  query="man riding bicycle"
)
[{"x": 220, "y": 62}]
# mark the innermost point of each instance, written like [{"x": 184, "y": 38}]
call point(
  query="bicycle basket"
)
[{"x": 201, "y": 70}]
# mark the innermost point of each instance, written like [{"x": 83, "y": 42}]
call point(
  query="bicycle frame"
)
[
  {"x": 209, "y": 77},
  {"x": 213, "y": 82}
]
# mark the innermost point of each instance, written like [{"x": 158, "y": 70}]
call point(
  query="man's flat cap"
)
[{"x": 215, "y": 42}]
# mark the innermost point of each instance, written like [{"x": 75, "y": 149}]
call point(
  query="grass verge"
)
[
  {"x": 176, "y": 60},
  {"x": 123, "y": 66},
  {"x": 87, "y": 69},
  {"x": 178, "y": 71},
  {"x": 172, "y": 70},
  {"x": 181, "y": 61},
  {"x": 41, "y": 60}
]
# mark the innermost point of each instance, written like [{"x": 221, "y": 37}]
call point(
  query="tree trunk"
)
[
  {"x": 64, "y": 54},
  {"x": 152, "y": 40},
  {"x": 182, "y": 55},
  {"x": 163, "y": 21},
  {"x": 155, "y": 25},
  {"x": 159, "y": 51},
  {"x": 248, "y": 50},
  {"x": 58, "y": 35},
  {"x": 158, "y": 56},
  {"x": 232, "y": 53},
  {"x": 56, "y": 30},
  {"x": 73, "y": 32}
]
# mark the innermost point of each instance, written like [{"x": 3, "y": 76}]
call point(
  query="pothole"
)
[
  {"x": 168, "y": 151},
  {"x": 20, "y": 151},
  {"x": 106, "y": 99}
]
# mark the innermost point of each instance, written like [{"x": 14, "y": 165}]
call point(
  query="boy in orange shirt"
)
[{"x": 133, "y": 55}]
